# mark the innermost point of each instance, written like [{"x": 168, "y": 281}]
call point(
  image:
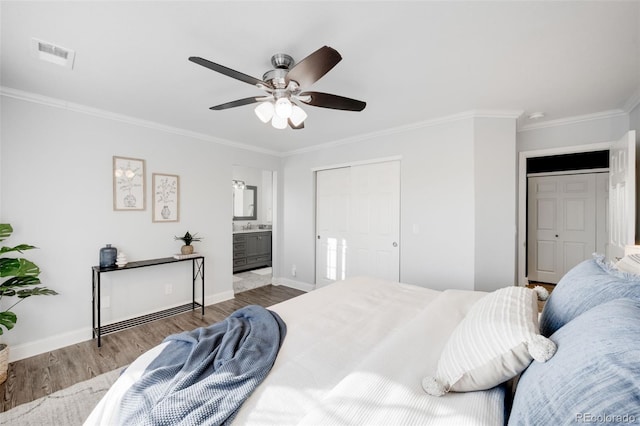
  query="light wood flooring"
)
[
  {"x": 40, "y": 375},
  {"x": 549, "y": 288}
]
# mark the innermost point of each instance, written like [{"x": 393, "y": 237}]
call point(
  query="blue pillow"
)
[
  {"x": 588, "y": 284},
  {"x": 594, "y": 377}
]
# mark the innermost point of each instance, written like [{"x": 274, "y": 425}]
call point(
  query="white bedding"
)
[{"x": 355, "y": 353}]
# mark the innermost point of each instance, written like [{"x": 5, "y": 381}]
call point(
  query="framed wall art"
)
[
  {"x": 166, "y": 197},
  {"x": 128, "y": 184}
]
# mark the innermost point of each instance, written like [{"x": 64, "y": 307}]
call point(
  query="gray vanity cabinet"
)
[{"x": 251, "y": 250}]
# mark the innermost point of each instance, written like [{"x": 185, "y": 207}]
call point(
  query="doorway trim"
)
[{"x": 522, "y": 194}]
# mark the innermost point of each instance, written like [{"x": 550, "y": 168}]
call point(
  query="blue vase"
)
[{"x": 108, "y": 256}]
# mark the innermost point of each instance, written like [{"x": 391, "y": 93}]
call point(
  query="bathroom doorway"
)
[{"x": 253, "y": 192}]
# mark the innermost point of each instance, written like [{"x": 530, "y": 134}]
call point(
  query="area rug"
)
[{"x": 70, "y": 406}]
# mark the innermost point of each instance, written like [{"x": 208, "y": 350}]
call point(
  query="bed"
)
[{"x": 359, "y": 352}]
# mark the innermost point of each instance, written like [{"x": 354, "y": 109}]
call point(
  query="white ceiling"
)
[{"x": 411, "y": 61}]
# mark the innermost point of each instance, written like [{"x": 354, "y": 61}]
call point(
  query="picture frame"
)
[
  {"x": 166, "y": 197},
  {"x": 129, "y": 184}
]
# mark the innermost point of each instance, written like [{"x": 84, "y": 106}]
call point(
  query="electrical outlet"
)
[
  {"x": 105, "y": 302},
  {"x": 293, "y": 271},
  {"x": 168, "y": 288}
]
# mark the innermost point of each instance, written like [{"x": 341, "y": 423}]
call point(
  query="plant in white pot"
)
[
  {"x": 187, "y": 239},
  {"x": 19, "y": 278}
]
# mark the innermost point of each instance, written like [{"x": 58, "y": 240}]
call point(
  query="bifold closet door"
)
[
  {"x": 562, "y": 224},
  {"x": 358, "y": 222}
]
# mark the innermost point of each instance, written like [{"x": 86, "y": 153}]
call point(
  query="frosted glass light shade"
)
[
  {"x": 283, "y": 108},
  {"x": 297, "y": 115},
  {"x": 279, "y": 122},
  {"x": 264, "y": 111}
]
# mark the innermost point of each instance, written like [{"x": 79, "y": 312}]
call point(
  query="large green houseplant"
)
[{"x": 18, "y": 278}]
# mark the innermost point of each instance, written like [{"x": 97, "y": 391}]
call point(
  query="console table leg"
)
[
  {"x": 98, "y": 305},
  {"x": 202, "y": 278},
  {"x": 93, "y": 304}
]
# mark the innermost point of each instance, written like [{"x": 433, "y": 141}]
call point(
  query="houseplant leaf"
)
[
  {"x": 18, "y": 268},
  {"x": 36, "y": 291},
  {"x": 20, "y": 248},
  {"x": 5, "y": 231},
  {"x": 7, "y": 320},
  {"x": 8, "y": 287}
]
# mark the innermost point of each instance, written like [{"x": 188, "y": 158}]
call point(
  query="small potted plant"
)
[
  {"x": 20, "y": 279},
  {"x": 187, "y": 238}
]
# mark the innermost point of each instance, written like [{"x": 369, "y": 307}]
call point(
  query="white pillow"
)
[
  {"x": 630, "y": 263},
  {"x": 495, "y": 342}
]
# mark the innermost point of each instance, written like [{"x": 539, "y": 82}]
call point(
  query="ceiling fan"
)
[{"x": 283, "y": 86}]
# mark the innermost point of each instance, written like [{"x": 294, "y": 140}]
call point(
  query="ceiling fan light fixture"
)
[
  {"x": 279, "y": 122},
  {"x": 283, "y": 108},
  {"x": 264, "y": 111},
  {"x": 297, "y": 115}
]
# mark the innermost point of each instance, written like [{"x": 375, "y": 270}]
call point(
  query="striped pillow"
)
[{"x": 495, "y": 342}]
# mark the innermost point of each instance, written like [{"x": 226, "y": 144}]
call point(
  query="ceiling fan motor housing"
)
[
  {"x": 276, "y": 77},
  {"x": 282, "y": 60}
]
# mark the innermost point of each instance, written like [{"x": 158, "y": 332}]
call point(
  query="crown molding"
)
[
  {"x": 509, "y": 114},
  {"x": 108, "y": 115},
  {"x": 574, "y": 120},
  {"x": 632, "y": 102}
]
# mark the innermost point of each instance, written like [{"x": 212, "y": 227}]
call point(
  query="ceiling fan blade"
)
[
  {"x": 294, "y": 127},
  {"x": 239, "y": 102},
  {"x": 228, "y": 72},
  {"x": 313, "y": 67},
  {"x": 327, "y": 100}
]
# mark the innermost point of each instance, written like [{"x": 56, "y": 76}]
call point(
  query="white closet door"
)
[
  {"x": 562, "y": 224},
  {"x": 333, "y": 192},
  {"x": 358, "y": 222},
  {"x": 373, "y": 249}
]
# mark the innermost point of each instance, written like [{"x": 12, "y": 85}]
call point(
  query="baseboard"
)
[
  {"x": 298, "y": 285},
  {"x": 48, "y": 344},
  {"x": 58, "y": 341},
  {"x": 218, "y": 297}
]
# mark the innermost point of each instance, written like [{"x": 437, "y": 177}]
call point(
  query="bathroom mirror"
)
[{"x": 245, "y": 203}]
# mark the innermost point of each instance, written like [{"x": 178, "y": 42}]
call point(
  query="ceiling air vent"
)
[{"x": 53, "y": 53}]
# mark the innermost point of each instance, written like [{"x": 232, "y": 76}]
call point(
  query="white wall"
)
[
  {"x": 634, "y": 119},
  {"x": 495, "y": 203},
  {"x": 605, "y": 129},
  {"x": 57, "y": 193},
  {"x": 438, "y": 200}
]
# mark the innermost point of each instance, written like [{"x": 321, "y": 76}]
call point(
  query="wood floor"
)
[
  {"x": 549, "y": 288},
  {"x": 35, "y": 377}
]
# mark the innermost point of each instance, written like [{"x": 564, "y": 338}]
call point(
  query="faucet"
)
[{"x": 248, "y": 225}]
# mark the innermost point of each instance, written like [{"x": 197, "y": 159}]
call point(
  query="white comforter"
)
[{"x": 355, "y": 353}]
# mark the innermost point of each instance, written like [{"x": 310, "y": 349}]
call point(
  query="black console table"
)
[{"x": 197, "y": 267}]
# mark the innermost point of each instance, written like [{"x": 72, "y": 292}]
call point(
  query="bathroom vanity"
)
[{"x": 251, "y": 249}]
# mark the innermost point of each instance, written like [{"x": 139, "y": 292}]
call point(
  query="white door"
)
[
  {"x": 333, "y": 192},
  {"x": 562, "y": 224},
  {"x": 622, "y": 195},
  {"x": 358, "y": 222},
  {"x": 373, "y": 248}
]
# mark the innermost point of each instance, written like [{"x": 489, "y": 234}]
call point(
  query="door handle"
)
[{"x": 395, "y": 244}]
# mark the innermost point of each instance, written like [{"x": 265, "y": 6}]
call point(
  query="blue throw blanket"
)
[{"x": 203, "y": 376}]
